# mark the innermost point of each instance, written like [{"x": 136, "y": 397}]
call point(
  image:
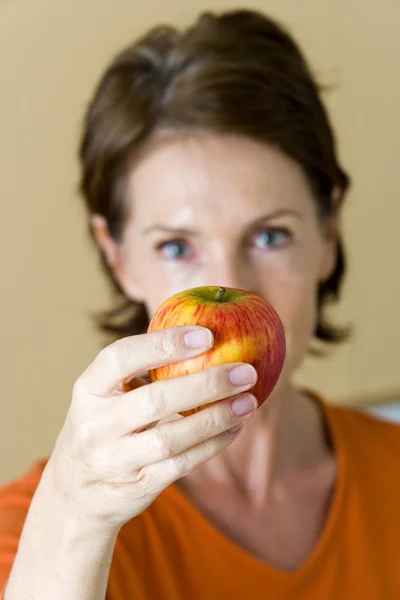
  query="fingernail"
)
[
  {"x": 243, "y": 404},
  {"x": 243, "y": 375},
  {"x": 198, "y": 338}
]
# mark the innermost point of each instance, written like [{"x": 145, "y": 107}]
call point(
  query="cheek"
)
[{"x": 294, "y": 297}]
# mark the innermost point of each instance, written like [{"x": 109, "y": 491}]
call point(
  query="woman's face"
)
[{"x": 226, "y": 211}]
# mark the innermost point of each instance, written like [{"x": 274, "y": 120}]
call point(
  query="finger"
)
[
  {"x": 160, "y": 475},
  {"x": 134, "y": 384},
  {"x": 172, "y": 438},
  {"x": 131, "y": 355},
  {"x": 163, "y": 399}
]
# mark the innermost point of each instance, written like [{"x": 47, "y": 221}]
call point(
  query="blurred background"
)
[{"x": 52, "y": 53}]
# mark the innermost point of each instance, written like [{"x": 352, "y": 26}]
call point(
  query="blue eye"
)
[
  {"x": 173, "y": 249},
  {"x": 272, "y": 238}
]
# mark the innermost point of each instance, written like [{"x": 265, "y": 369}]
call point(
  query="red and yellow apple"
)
[{"x": 245, "y": 327}]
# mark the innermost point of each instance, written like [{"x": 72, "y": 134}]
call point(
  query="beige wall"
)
[{"x": 51, "y": 53}]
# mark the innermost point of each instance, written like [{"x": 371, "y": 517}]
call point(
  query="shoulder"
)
[
  {"x": 365, "y": 424},
  {"x": 356, "y": 425},
  {"x": 366, "y": 440}
]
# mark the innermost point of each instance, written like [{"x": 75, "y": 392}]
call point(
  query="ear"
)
[
  {"x": 113, "y": 254},
  {"x": 330, "y": 237},
  {"x": 108, "y": 246}
]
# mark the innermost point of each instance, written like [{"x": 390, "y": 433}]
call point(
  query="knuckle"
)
[
  {"x": 110, "y": 356},
  {"x": 80, "y": 390},
  {"x": 209, "y": 384},
  {"x": 164, "y": 345},
  {"x": 209, "y": 447},
  {"x": 86, "y": 435},
  {"x": 217, "y": 419},
  {"x": 77, "y": 388},
  {"x": 146, "y": 482},
  {"x": 151, "y": 400},
  {"x": 103, "y": 462},
  {"x": 162, "y": 444},
  {"x": 181, "y": 465}
]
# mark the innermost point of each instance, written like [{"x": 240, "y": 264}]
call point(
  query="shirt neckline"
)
[{"x": 323, "y": 544}]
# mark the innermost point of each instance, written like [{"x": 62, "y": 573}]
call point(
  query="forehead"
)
[{"x": 215, "y": 179}]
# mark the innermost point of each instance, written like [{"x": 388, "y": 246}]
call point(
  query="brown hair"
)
[{"x": 238, "y": 72}]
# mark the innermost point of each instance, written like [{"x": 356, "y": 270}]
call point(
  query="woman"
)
[{"x": 208, "y": 159}]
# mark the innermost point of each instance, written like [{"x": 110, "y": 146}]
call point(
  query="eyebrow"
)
[{"x": 261, "y": 220}]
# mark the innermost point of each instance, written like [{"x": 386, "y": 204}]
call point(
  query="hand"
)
[{"x": 113, "y": 455}]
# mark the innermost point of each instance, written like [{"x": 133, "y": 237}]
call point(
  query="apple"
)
[{"x": 245, "y": 327}]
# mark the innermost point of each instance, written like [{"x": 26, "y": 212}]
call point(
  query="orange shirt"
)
[{"x": 172, "y": 552}]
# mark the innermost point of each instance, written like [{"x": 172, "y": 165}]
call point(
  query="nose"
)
[{"x": 231, "y": 272}]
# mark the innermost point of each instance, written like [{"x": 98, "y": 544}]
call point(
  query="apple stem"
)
[{"x": 220, "y": 293}]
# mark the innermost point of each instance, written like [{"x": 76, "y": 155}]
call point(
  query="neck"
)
[{"x": 285, "y": 439}]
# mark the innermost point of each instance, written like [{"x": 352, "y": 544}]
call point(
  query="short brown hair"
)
[{"x": 238, "y": 72}]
